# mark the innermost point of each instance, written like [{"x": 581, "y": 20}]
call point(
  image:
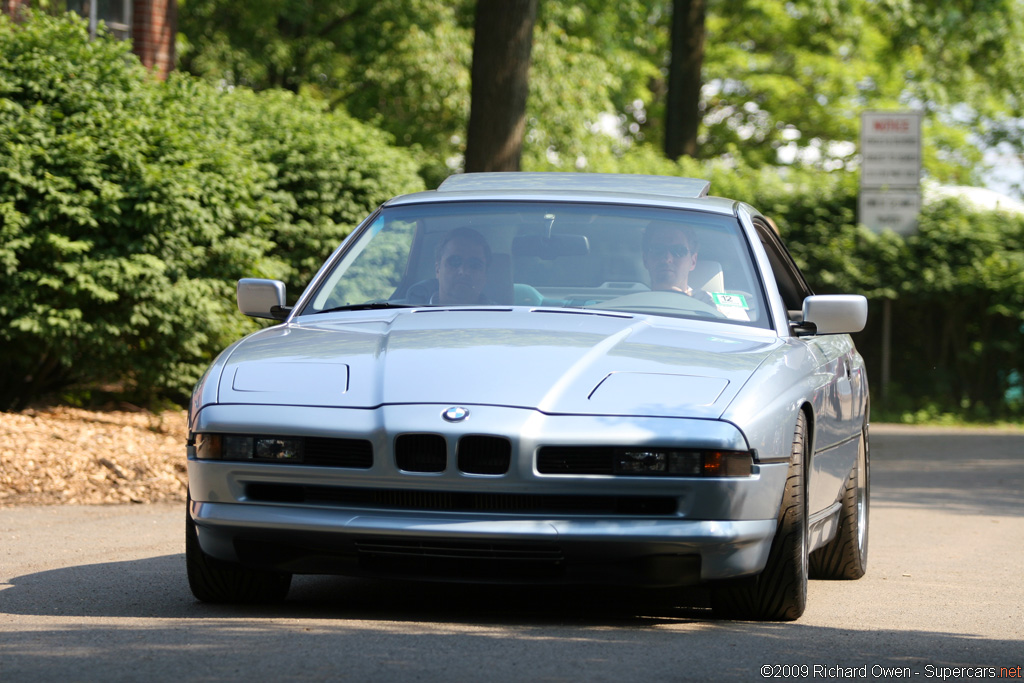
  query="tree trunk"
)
[
  {"x": 501, "y": 59},
  {"x": 682, "y": 112}
]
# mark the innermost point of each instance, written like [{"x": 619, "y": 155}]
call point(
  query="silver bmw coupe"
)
[{"x": 540, "y": 377}]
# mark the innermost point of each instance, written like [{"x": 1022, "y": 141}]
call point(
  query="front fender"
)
[{"x": 766, "y": 407}]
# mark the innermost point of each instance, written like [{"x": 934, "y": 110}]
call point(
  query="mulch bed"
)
[{"x": 64, "y": 455}]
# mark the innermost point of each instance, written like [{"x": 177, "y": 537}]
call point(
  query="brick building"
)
[{"x": 150, "y": 24}]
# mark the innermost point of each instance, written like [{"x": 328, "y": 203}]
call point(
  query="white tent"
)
[{"x": 975, "y": 197}]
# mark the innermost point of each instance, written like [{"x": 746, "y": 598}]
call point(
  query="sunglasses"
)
[
  {"x": 660, "y": 250},
  {"x": 472, "y": 263}
]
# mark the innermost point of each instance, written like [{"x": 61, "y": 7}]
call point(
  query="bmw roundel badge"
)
[{"x": 455, "y": 414}]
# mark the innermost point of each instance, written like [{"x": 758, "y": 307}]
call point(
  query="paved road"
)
[{"x": 99, "y": 593}]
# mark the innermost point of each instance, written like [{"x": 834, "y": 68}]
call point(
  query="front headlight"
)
[
  {"x": 680, "y": 463},
  {"x": 278, "y": 449},
  {"x": 255, "y": 448},
  {"x": 648, "y": 461}
]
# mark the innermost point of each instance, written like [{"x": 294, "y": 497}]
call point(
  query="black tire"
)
[
  {"x": 846, "y": 555},
  {"x": 779, "y": 593},
  {"x": 212, "y": 580}
]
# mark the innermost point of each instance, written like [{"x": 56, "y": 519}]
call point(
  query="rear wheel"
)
[
  {"x": 779, "y": 593},
  {"x": 846, "y": 555},
  {"x": 212, "y": 580}
]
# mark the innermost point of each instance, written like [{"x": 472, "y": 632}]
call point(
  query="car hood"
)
[{"x": 558, "y": 362}]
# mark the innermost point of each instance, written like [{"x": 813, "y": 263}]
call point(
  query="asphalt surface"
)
[{"x": 99, "y": 593}]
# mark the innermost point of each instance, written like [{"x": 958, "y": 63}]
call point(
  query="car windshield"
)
[{"x": 637, "y": 260}]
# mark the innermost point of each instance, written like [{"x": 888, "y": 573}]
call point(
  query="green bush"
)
[
  {"x": 331, "y": 171},
  {"x": 129, "y": 207},
  {"x": 958, "y": 322}
]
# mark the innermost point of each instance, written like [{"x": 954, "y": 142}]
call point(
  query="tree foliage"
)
[
  {"x": 402, "y": 66},
  {"x": 128, "y": 208},
  {"x": 784, "y": 82},
  {"x": 797, "y": 74}
]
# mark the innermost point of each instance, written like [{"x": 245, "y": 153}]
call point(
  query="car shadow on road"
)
[
  {"x": 157, "y": 587},
  {"x": 98, "y": 617}
]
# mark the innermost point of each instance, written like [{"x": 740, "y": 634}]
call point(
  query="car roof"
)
[
  {"x": 614, "y": 188},
  {"x": 585, "y": 182}
]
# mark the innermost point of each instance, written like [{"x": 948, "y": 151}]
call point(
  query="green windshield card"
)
[{"x": 733, "y": 300}]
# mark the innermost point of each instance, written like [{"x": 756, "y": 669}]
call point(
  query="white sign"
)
[
  {"x": 890, "y": 170},
  {"x": 890, "y": 149},
  {"x": 894, "y": 210}
]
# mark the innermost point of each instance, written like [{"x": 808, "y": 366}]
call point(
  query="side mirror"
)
[
  {"x": 833, "y": 314},
  {"x": 262, "y": 298}
]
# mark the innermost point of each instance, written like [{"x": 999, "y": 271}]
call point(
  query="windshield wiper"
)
[{"x": 368, "y": 306}]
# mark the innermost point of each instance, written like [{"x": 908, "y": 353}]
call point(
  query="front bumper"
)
[
  {"x": 643, "y": 552},
  {"x": 712, "y": 528}
]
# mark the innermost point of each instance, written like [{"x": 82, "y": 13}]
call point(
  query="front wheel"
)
[
  {"x": 846, "y": 555},
  {"x": 779, "y": 593},
  {"x": 212, "y": 580}
]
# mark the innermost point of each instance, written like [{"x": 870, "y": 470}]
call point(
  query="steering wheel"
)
[{"x": 658, "y": 302}]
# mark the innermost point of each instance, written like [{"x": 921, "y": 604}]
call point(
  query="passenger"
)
[{"x": 669, "y": 254}]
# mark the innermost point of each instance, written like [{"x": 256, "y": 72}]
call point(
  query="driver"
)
[
  {"x": 460, "y": 266},
  {"x": 669, "y": 254}
]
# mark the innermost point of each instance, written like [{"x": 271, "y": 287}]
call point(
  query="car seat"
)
[
  {"x": 707, "y": 275},
  {"x": 499, "y": 280}
]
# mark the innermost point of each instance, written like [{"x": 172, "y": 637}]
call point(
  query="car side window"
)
[{"x": 790, "y": 281}]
